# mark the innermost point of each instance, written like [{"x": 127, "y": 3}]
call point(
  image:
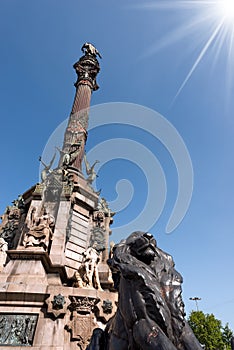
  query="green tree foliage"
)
[
  {"x": 209, "y": 331},
  {"x": 227, "y": 336}
]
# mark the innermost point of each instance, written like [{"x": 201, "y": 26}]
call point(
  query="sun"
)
[
  {"x": 226, "y": 8},
  {"x": 218, "y": 14},
  {"x": 213, "y": 20}
]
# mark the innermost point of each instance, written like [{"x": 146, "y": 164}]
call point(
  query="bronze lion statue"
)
[{"x": 150, "y": 313}]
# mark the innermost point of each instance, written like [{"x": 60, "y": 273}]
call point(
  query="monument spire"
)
[{"x": 75, "y": 136}]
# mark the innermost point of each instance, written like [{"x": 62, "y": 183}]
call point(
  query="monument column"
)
[{"x": 75, "y": 137}]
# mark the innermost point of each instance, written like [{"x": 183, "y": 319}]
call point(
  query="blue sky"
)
[{"x": 148, "y": 51}]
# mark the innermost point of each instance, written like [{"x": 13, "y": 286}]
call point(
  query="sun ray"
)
[
  {"x": 183, "y": 31},
  {"x": 198, "y": 60},
  {"x": 218, "y": 46},
  {"x": 231, "y": 46},
  {"x": 210, "y": 24},
  {"x": 230, "y": 60}
]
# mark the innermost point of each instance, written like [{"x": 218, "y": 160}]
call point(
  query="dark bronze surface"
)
[
  {"x": 17, "y": 329},
  {"x": 150, "y": 313}
]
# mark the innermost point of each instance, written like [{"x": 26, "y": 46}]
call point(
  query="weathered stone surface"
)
[{"x": 48, "y": 231}]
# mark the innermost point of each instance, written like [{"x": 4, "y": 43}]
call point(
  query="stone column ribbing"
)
[{"x": 75, "y": 136}]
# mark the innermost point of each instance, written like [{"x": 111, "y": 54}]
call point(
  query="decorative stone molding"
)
[
  {"x": 41, "y": 256},
  {"x": 81, "y": 328},
  {"x": 82, "y": 305},
  {"x": 82, "y": 321},
  {"x": 87, "y": 69},
  {"x": 57, "y": 305},
  {"x": 106, "y": 309}
]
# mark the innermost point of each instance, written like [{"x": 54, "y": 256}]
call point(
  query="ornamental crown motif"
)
[{"x": 82, "y": 304}]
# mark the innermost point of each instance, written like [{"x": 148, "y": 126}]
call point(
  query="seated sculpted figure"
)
[
  {"x": 150, "y": 313},
  {"x": 40, "y": 231}
]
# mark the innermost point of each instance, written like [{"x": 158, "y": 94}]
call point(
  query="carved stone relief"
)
[
  {"x": 82, "y": 320},
  {"x": 69, "y": 156},
  {"x": 76, "y": 126},
  {"x": 53, "y": 186},
  {"x": 57, "y": 305},
  {"x": 81, "y": 328},
  {"x": 106, "y": 308},
  {"x": 40, "y": 229},
  {"x": 97, "y": 239},
  {"x": 17, "y": 329},
  {"x": 98, "y": 218}
]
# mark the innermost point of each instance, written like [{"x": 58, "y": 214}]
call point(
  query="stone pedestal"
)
[{"x": 55, "y": 285}]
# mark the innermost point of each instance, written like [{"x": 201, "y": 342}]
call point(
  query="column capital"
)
[{"x": 88, "y": 67}]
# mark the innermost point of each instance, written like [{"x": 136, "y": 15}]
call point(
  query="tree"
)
[
  {"x": 209, "y": 331},
  {"x": 227, "y": 335}
]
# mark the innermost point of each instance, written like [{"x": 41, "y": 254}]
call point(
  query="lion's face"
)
[{"x": 142, "y": 246}]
